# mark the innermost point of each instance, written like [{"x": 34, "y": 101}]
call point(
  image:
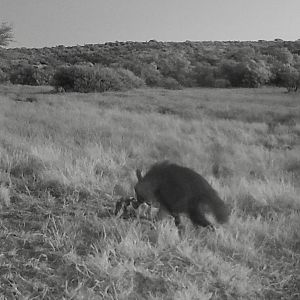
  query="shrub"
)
[
  {"x": 175, "y": 65},
  {"x": 245, "y": 74},
  {"x": 64, "y": 78},
  {"x": 94, "y": 79},
  {"x": 130, "y": 80},
  {"x": 44, "y": 76},
  {"x": 205, "y": 75},
  {"x": 31, "y": 75},
  {"x": 170, "y": 84},
  {"x": 3, "y": 76},
  {"x": 222, "y": 83},
  {"x": 23, "y": 74},
  {"x": 151, "y": 75},
  {"x": 287, "y": 76}
]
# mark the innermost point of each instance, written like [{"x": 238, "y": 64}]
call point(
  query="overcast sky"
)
[{"x": 39, "y": 23}]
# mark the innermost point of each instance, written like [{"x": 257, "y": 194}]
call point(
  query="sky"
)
[{"x": 46, "y": 23}]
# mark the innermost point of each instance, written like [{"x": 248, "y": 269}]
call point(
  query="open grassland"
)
[{"x": 65, "y": 159}]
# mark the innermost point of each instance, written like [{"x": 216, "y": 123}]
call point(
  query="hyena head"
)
[{"x": 144, "y": 190}]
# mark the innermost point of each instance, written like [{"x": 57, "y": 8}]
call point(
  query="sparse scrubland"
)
[
  {"x": 66, "y": 158},
  {"x": 171, "y": 65}
]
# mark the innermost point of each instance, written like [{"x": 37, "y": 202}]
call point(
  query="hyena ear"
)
[{"x": 138, "y": 173}]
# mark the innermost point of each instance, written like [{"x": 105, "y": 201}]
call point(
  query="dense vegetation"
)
[
  {"x": 157, "y": 64},
  {"x": 66, "y": 158}
]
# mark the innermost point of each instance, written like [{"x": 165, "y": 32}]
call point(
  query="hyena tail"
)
[
  {"x": 217, "y": 207},
  {"x": 212, "y": 204}
]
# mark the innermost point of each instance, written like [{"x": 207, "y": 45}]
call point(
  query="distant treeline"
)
[{"x": 124, "y": 65}]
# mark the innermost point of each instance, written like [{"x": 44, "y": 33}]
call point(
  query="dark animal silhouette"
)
[{"x": 176, "y": 189}]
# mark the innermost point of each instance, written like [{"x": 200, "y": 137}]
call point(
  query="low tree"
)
[
  {"x": 289, "y": 77},
  {"x": 24, "y": 74},
  {"x": 241, "y": 54},
  {"x": 281, "y": 54},
  {"x": 205, "y": 74},
  {"x": 175, "y": 65},
  {"x": 151, "y": 75},
  {"x": 257, "y": 73},
  {"x": 245, "y": 74},
  {"x": 6, "y": 35}
]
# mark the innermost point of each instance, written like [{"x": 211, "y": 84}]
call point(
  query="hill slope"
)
[{"x": 65, "y": 160}]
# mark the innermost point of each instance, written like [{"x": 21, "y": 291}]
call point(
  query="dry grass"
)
[{"x": 65, "y": 159}]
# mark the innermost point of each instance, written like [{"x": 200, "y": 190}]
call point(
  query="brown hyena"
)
[{"x": 176, "y": 189}]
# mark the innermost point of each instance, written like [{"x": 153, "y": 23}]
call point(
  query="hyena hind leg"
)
[
  {"x": 198, "y": 218},
  {"x": 178, "y": 224},
  {"x": 177, "y": 220}
]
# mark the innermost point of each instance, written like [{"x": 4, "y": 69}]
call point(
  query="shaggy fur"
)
[{"x": 177, "y": 190}]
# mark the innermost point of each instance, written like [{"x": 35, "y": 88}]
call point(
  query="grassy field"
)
[{"x": 66, "y": 158}]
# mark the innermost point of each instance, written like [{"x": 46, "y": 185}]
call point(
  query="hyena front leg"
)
[{"x": 162, "y": 213}]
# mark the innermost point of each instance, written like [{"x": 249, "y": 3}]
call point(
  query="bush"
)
[
  {"x": 174, "y": 65},
  {"x": 222, "y": 83},
  {"x": 245, "y": 74},
  {"x": 171, "y": 84},
  {"x": 94, "y": 79},
  {"x": 205, "y": 75},
  {"x": 64, "y": 78},
  {"x": 31, "y": 75},
  {"x": 151, "y": 75},
  {"x": 287, "y": 76},
  {"x": 44, "y": 76},
  {"x": 3, "y": 76},
  {"x": 130, "y": 80},
  {"x": 24, "y": 74}
]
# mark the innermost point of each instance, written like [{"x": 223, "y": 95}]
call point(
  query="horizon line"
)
[{"x": 151, "y": 40}]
